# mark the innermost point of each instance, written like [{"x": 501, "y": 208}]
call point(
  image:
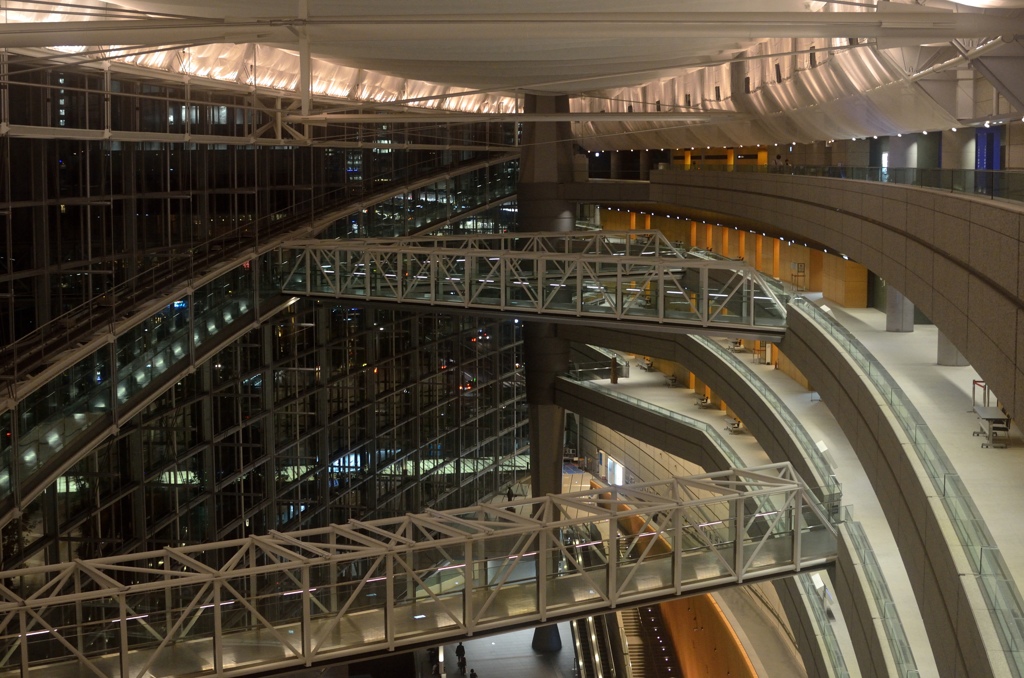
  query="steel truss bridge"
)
[
  {"x": 635, "y": 276},
  {"x": 344, "y": 591}
]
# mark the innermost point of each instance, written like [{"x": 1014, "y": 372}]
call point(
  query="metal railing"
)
[
  {"x": 831, "y": 489},
  {"x": 1001, "y": 594},
  {"x": 818, "y": 614},
  {"x": 1002, "y": 184},
  {"x": 342, "y": 591},
  {"x": 899, "y": 645},
  {"x": 628, "y": 275}
]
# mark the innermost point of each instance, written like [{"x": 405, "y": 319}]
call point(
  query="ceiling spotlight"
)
[
  {"x": 954, "y": 129},
  {"x": 875, "y": 137},
  {"x": 987, "y": 125},
  {"x": 899, "y": 135},
  {"x": 925, "y": 132}
]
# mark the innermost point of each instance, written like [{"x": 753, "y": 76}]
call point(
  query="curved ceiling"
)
[{"x": 793, "y": 70}]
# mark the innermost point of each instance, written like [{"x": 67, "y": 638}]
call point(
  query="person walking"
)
[
  {"x": 460, "y": 654},
  {"x": 510, "y": 494}
]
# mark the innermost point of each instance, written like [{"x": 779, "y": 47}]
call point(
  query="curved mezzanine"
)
[{"x": 957, "y": 258}]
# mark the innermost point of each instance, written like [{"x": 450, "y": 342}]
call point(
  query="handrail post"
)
[
  {"x": 468, "y": 582},
  {"x": 798, "y": 519},
  {"x": 389, "y": 596},
  {"x": 613, "y": 552},
  {"x": 307, "y": 622},
  {"x": 543, "y": 552},
  {"x": 738, "y": 533}
]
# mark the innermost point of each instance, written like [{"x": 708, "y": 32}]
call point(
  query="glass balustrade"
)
[
  {"x": 997, "y": 584},
  {"x": 1003, "y": 184}
]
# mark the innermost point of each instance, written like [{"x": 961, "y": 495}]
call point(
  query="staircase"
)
[{"x": 630, "y": 620}]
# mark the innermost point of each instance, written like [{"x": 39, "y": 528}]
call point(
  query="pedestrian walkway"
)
[{"x": 942, "y": 395}]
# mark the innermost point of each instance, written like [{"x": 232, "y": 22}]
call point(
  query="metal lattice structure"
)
[
  {"x": 263, "y": 602},
  {"x": 605, "y": 275}
]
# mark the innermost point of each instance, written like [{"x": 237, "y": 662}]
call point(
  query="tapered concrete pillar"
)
[
  {"x": 948, "y": 354},
  {"x": 899, "y": 311},
  {"x": 547, "y": 357},
  {"x": 546, "y": 639},
  {"x": 546, "y": 163}
]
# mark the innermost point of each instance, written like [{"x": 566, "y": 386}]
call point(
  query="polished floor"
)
[{"x": 510, "y": 655}]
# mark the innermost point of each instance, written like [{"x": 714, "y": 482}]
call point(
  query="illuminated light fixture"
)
[
  {"x": 954, "y": 129},
  {"x": 925, "y": 132},
  {"x": 875, "y": 137},
  {"x": 899, "y": 135},
  {"x": 987, "y": 124}
]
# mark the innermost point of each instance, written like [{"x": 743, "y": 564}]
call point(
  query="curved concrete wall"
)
[
  {"x": 691, "y": 445},
  {"x": 952, "y": 605},
  {"x": 955, "y": 256},
  {"x": 852, "y": 589},
  {"x": 748, "y": 405},
  {"x": 647, "y": 426}
]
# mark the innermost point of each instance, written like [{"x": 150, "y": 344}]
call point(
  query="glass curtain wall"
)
[{"x": 325, "y": 412}]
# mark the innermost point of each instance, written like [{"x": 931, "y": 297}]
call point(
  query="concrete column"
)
[
  {"x": 899, "y": 311},
  {"x": 948, "y": 354},
  {"x": 645, "y": 165},
  {"x": 615, "y": 163},
  {"x": 547, "y": 162},
  {"x": 547, "y": 357}
]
